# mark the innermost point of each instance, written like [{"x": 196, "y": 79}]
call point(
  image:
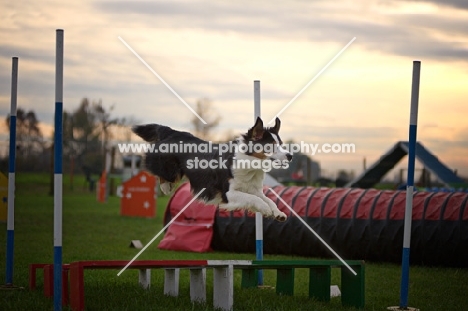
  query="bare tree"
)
[
  {"x": 104, "y": 122},
  {"x": 204, "y": 108},
  {"x": 88, "y": 131}
]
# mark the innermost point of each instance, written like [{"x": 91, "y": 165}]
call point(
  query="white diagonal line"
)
[
  {"x": 313, "y": 79},
  {"x": 312, "y": 230},
  {"x": 161, "y": 79},
  {"x": 159, "y": 233}
]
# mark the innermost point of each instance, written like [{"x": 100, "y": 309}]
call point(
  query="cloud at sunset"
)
[{"x": 216, "y": 50}]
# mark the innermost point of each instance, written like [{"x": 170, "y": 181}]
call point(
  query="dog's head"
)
[{"x": 265, "y": 142}]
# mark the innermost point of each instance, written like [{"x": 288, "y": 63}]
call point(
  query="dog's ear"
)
[
  {"x": 257, "y": 129},
  {"x": 277, "y": 126}
]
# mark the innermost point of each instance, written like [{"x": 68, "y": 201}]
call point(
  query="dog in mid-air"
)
[{"x": 231, "y": 173}]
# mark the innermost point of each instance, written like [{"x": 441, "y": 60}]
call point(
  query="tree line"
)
[{"x": 87, "y": 132}]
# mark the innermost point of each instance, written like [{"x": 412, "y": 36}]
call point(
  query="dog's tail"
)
[{"x": 152, "y": 132}]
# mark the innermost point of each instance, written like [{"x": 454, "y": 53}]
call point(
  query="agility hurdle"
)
[
  {"x": 352, "y": 287},
  {"x": 48, "y": 274}
]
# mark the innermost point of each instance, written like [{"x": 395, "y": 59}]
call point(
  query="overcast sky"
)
[{"x": 216, "y": 49}]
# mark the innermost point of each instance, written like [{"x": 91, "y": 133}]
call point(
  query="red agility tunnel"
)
[{"x": 357, "y": 223}]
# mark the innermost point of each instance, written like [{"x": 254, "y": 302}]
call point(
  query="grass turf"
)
[{"x": 94, "y": 231}]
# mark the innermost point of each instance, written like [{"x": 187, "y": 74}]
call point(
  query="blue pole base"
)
[
  {"x": 404, "y": 278},
  {"x": 259, "y": 256},
  {"x": 57, "y": 278},
  {"x": 9, "y": 256}
]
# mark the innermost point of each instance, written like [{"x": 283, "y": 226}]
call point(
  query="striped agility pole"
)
[
  {"x": 11, "y": 175},
  {"x": 410, "y": 185},
  {"x": 258, "y": 216},
  {"x": 58, "y": 140}
]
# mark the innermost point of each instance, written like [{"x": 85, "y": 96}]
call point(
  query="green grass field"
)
[{"x": 94, "y": 231}]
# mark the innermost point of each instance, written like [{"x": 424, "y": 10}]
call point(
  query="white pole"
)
[
  {"x": 258, "y": 216},
  {"x": 11, "y": 175},
  {"x": 257, "y": 106},
  {"x": 410, "y": 184},
  {"x": 413, "y": 123},
  {"x": 58, "y": 140}
]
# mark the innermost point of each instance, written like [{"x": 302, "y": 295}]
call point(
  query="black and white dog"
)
[{"x": 231, "y": 173}]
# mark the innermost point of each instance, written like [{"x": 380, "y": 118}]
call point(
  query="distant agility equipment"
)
[
  {"x": 357, "y": 223},
  {"x": 387, "y": 162}
]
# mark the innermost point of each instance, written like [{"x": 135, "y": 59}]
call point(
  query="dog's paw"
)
[
  {"x": 281, "y": 217},
  {"x": 266, "y": 212}
]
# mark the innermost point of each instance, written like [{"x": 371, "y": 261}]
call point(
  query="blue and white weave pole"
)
[
  {"x": 11, "y": 175},
  {"x": 258, "y": 216},
  {"x": 58, "y": 140},
  {"x": 410, "y": 185}
]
